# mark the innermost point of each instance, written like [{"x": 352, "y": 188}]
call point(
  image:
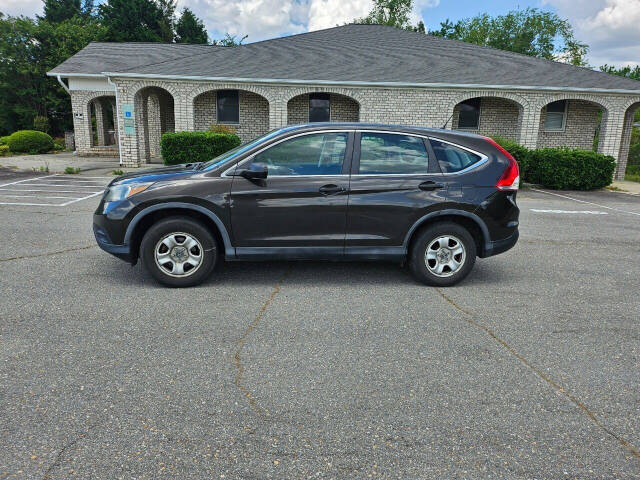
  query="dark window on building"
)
[
  {"x": 556, "y": 116},
  {"x": 469, "y": 115},
  {"x": 319, "y": 107},
  {"x": 452, "y": 158},
  {"x": 228, "y": 106},
  {"x": 386, "y": 153}
]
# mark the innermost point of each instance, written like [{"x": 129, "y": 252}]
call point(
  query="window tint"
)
[
  {"x": 317, "y": 154},
  {"x": 452, "y": 158},
  {"x": 319, "y": 107},
  {"x": 555, "y": 118},
  {"x": 382, "y": 153},
  {"x": 228, "y": 106},
  {"x": 469, "y": 114}
]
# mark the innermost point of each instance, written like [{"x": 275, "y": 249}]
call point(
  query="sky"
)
[{"x": 609, "y": 27}]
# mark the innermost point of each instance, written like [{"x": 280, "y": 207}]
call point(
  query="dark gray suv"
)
[{"x": 435, "y": 199}]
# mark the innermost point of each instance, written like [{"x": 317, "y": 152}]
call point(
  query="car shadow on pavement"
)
[{"x": 306, "y": 273}]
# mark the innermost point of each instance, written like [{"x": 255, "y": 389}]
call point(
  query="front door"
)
[
  {"x": 394, "y": 183},
  {"x": 300, "y": 209}
]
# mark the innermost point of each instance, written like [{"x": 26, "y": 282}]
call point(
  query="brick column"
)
[
  {"x": 277, "y": 113},
  {"x": 610, "y": 139},
  {"x": 529, "y": 123},
  {"x": 183, "y": 113},
  {"x": 128, "y": 141},
  {"x": 101, "y": 124}
]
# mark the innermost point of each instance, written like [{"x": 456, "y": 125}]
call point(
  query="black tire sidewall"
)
[
  {"x": 171, "y": 225},
  {"x": 416, "y": 261}
]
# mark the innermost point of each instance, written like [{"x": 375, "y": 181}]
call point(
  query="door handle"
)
[
  {"x": 430, "y": 185},
  {"x": 330, "y": 189}
]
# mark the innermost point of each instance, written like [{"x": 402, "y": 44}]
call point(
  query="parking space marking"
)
[
  {"x": 584, "y": 201},
  {"x": 589, "y": 212},
  {"x": 42, "y": 191}
]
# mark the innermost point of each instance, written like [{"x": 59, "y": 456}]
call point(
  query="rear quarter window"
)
[{"x": 451, "y": 158}]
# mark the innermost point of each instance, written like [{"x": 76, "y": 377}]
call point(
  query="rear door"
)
[
  {"x": 394, "y": 182},
  {"x": 300, "y": 209}
]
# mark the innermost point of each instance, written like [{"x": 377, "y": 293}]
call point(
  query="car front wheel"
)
[
  {"x": 179, "y": 252},
  {"x": 443, "y": 254}
]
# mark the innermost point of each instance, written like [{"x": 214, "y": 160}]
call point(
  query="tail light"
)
[{"x": 510, "y": 179}]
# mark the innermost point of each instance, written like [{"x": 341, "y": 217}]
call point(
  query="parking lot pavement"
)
[
  {"x": 51, "y": 190},
  {"x": 528, "y": 369}
]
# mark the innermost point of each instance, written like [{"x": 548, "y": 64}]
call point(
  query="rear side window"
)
[
  {"x": 451, "y": 158},
  {"x": 386, "y": 153}
]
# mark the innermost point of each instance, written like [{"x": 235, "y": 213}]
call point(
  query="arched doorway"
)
[
  {"x": 245, "y": 112},
  {"x": 629, "y": 157},
  {"x": 573, "y": 123},
  {"x": 492, "y": 116},
  {"x": 102, "y": 122},
  {"x": 322, "y": 107},
  {"x": 154, "y": 107}
]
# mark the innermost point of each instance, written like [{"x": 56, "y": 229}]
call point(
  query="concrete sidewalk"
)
[
  {"x": 57, "y": 162},
  {"x": 625, "y": 186}
]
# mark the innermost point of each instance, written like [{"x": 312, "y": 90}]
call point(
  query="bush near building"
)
[
  {"x": 30, "y": 141},
  {"x": 562, "y": 168},
  {"x": 191, "y": 147}
]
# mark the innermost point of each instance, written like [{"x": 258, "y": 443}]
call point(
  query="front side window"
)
[
  {"x": 387, "y": 153},
  {"x": 451, "y": 158},
  {"x": 319, "y": 107},
  {"x": 556, "y": 116},
  {"x": 315, "y": 154},
  {"x": 469, "y": 114},
  {"x": 228, "y": 106}
]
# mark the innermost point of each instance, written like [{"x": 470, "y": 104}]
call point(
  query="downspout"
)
[
  {"x": 117, "y": 119},
  {"x": 66, "y": 89}
]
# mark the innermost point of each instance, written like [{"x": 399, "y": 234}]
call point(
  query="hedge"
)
[
  {"x": 562, "y": 168},
  {"x": 30, "y": 141},
  {"x": 190, "y": 147},
  {"x": 4, "y": 140}
]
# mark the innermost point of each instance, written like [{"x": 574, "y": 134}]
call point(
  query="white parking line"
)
[
  {"x": 591, "y": 212},
  {"x": 584, "y": 201},
  {"x": 35, "y": 191}
]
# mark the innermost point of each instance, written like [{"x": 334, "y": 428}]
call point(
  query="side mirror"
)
[{"x": 255, "y": 172}]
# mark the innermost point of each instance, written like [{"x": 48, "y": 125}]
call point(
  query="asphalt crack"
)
[
  {"x": 555, "y": 385},
  {"x": 48, "y": 254},
  {"x": 58, "y": 461},
  {"x": 237, "y": 358}
]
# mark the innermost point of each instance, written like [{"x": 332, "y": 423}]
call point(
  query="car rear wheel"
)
[
  {"x": 179, "y": 252},
  {"x": 443, "y": 254}
]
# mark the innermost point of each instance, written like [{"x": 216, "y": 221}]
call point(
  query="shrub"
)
[
  {"x": 520, "y": 153},
  {"x": 570, "y": 169},
  {"x": 59, "y": 144},
  {"x": 4, "y": 140},
  {"x": 71, "y": 170},
  {"x": 4, "y": 150},
  {"x": 189, "y": 147},
  {"x": 41, "y": 124},
  {"x": 117, "y": 172},
  {"x": 217, "y": 128},
  {"x": 30, "y": 141}
]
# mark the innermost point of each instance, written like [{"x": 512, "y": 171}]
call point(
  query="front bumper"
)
[
  {"x": 500, "y": 246},
  {"x": 123, "y": 252}
]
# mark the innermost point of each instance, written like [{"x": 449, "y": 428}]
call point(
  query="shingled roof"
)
[{"x": 372, "y": 54}]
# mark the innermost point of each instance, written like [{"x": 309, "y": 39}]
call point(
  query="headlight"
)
[{"x": 120, "y": 192}]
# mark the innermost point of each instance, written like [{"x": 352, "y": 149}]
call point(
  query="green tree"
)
[
  {"x": 59, "y": 10},
  {"x": 167, "y": 25},
  {"x": 190, "y": 29},
  {"x": 394, "y": 13},
  {"x": 630, "y": 71},
  {"x": 133, "y": 21},
  {"x": 530, "y": 32},
  {"x": 230, "y": 41}
]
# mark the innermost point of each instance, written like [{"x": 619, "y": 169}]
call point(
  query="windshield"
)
[{"x": 231, "y": 154}]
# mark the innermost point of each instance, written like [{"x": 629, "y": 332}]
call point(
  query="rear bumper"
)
[
  {"x": 500, "y": 246},
  {"x": 123, "y": 252}
]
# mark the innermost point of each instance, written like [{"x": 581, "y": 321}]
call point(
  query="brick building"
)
[{"x": 125, "y": 95}]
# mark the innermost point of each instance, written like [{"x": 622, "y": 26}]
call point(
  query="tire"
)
[
  {"x": 173, "y": 239},
  {"x": 461, "y": 248}
]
